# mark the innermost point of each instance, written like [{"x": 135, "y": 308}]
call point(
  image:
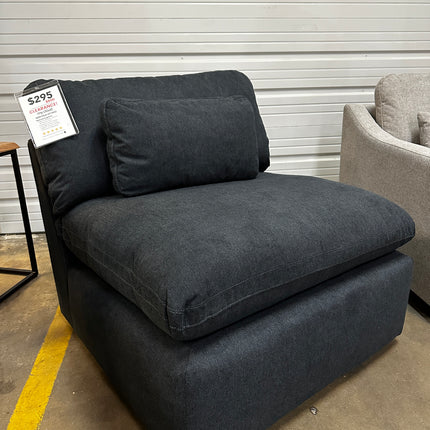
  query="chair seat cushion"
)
[{"x": 197, "y": 259}]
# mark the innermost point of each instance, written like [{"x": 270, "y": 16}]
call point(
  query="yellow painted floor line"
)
[{"x": 34, "y": 397}]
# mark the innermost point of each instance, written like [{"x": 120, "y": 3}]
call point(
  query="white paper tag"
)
[{"x": 46, "y": 113}]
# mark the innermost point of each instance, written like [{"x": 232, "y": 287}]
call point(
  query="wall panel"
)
[{"x": 305, "y": 59}]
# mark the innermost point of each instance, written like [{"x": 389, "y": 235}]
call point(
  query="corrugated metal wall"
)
[{"x": 306, "y": 60}]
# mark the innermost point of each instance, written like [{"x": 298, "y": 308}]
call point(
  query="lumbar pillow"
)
[
  {"x": 424, "y": 124},
  {"x": 398, "y": 99},
  {"x": 155, "y": 145}
]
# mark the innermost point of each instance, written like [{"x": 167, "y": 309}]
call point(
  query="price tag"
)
[{"x": 46, "y": 113}]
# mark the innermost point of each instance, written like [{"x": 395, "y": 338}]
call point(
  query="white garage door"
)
[{"x": 305, "y": 59}]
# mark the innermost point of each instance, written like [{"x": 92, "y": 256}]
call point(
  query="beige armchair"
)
[{"x": 396, "y": 169}]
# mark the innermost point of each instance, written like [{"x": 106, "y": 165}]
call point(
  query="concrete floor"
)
[{"x": 389, "y": 391}]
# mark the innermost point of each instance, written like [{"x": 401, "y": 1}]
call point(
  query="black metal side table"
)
[{"x": 9, "y": 148}]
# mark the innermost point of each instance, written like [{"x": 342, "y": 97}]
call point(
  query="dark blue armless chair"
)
[{"x": 213, "y": 294}]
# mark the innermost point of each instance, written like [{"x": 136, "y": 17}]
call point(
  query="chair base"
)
[{"x": 250, "y": 374}]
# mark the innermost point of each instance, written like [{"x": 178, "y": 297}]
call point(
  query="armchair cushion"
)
[
  {"x": 424, "y": 124},
  {"x": 155, "y": 145},
  {"x": 197, "y": 259},
  {"x": 398, "y": 99}
]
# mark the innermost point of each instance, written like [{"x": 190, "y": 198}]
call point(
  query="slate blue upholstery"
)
[
  {"x": 197, "y": 259},
  {"x": 248, "y": 375},
  {"x": 77, "y": 168},
  {"x": 218, "y": 306},
  {"x": 155, "y": 145}
]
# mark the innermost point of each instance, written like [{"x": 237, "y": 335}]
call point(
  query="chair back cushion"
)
[
  {"x": 398, "y": 99},
  {"x": 77, "y": 168},
  {"x": 155, "y": 145}
]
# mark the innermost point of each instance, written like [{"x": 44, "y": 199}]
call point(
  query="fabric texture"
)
[
  {"x": 398, "y": 99},
  {"x": 77, "y": 168},
  {"x": 395, "y": 169},
  {"x": 250, "y": 374},
  {"x": 156, "y": 145},
  {"x": 197, "y": 259},
  {"x": 424, "y": 125}
]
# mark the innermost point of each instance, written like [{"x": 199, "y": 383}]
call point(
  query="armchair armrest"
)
[
  {"x": 375, "y": 160},
  {"x": 397, "y": 170}
]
